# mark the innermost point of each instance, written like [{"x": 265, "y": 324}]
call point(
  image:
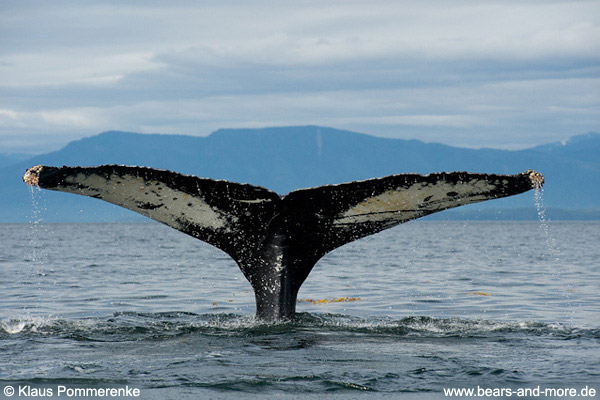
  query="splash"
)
[
  {"x": 13, "y": 327},
  {"x": 134, "y": 326}
]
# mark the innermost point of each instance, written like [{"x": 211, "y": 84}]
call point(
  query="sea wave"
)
[{"x": 133, "y": 326}]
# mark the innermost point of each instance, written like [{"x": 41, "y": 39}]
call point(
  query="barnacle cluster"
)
[
  {"x": 537, "y": 179},
  {"x": 32, "y": 175}
]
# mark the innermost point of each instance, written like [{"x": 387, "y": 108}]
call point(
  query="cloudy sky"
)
[{"x": 505, "y": 74}]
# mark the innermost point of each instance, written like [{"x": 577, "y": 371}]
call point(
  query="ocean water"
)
[{"x": 436, "y": 305}]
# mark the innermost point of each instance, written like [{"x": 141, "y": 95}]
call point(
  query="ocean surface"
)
[{"x": 429, "y": 305}]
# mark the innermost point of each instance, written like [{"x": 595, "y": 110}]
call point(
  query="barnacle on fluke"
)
[
  {"x": 537, "y": 179},
  {"x": 31, "y": 175}
]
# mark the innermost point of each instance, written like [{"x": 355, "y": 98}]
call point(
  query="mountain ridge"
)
[{"x": 288, "y": 158}]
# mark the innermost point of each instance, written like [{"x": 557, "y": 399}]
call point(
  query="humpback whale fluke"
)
[{"x": 276, "y": 240}]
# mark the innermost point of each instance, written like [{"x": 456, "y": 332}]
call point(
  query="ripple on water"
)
[
  {"x": 314, "y": 353},
  {"x": 124, "y": 326}
]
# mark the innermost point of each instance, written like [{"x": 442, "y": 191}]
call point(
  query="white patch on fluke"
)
[
  {"x": 255, "y": 201},
  {"x": 403, "y": 204},
  {"x": 153, "y": 199}
]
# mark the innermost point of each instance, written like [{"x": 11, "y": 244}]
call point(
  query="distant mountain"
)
[
  {"x": 288, "y": 158},
  {"x": 7, "y": 159},
  {"x": 584, "y": 148}
]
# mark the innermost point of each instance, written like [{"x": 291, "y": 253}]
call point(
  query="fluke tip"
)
[
  {"x": 32, "y": 175},
  {"x": 537, "y": 179}
]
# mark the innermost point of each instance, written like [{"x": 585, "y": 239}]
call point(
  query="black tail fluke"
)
[
  {"x": 229, "y": 216},
  {"x": 276, "y": 241},
  {"x": 338, "y": 214}
]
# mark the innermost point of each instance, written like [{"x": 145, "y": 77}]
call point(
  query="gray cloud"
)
[{"x": 499, "y": 73}]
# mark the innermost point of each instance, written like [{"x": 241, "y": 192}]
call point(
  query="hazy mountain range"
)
[
  {"x": 287, "y": 158},
  {"x": 7, "y": 159}
]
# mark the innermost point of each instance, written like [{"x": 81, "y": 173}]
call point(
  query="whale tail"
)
[{"x": 276, "y": 240}]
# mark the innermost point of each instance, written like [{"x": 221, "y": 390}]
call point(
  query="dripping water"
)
[
  {"x": 544, "y": 222},
  {"x": 34, "y": 221},
  {"x": 38, "y": 256},
  {"x": 552, "y": 246}
]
